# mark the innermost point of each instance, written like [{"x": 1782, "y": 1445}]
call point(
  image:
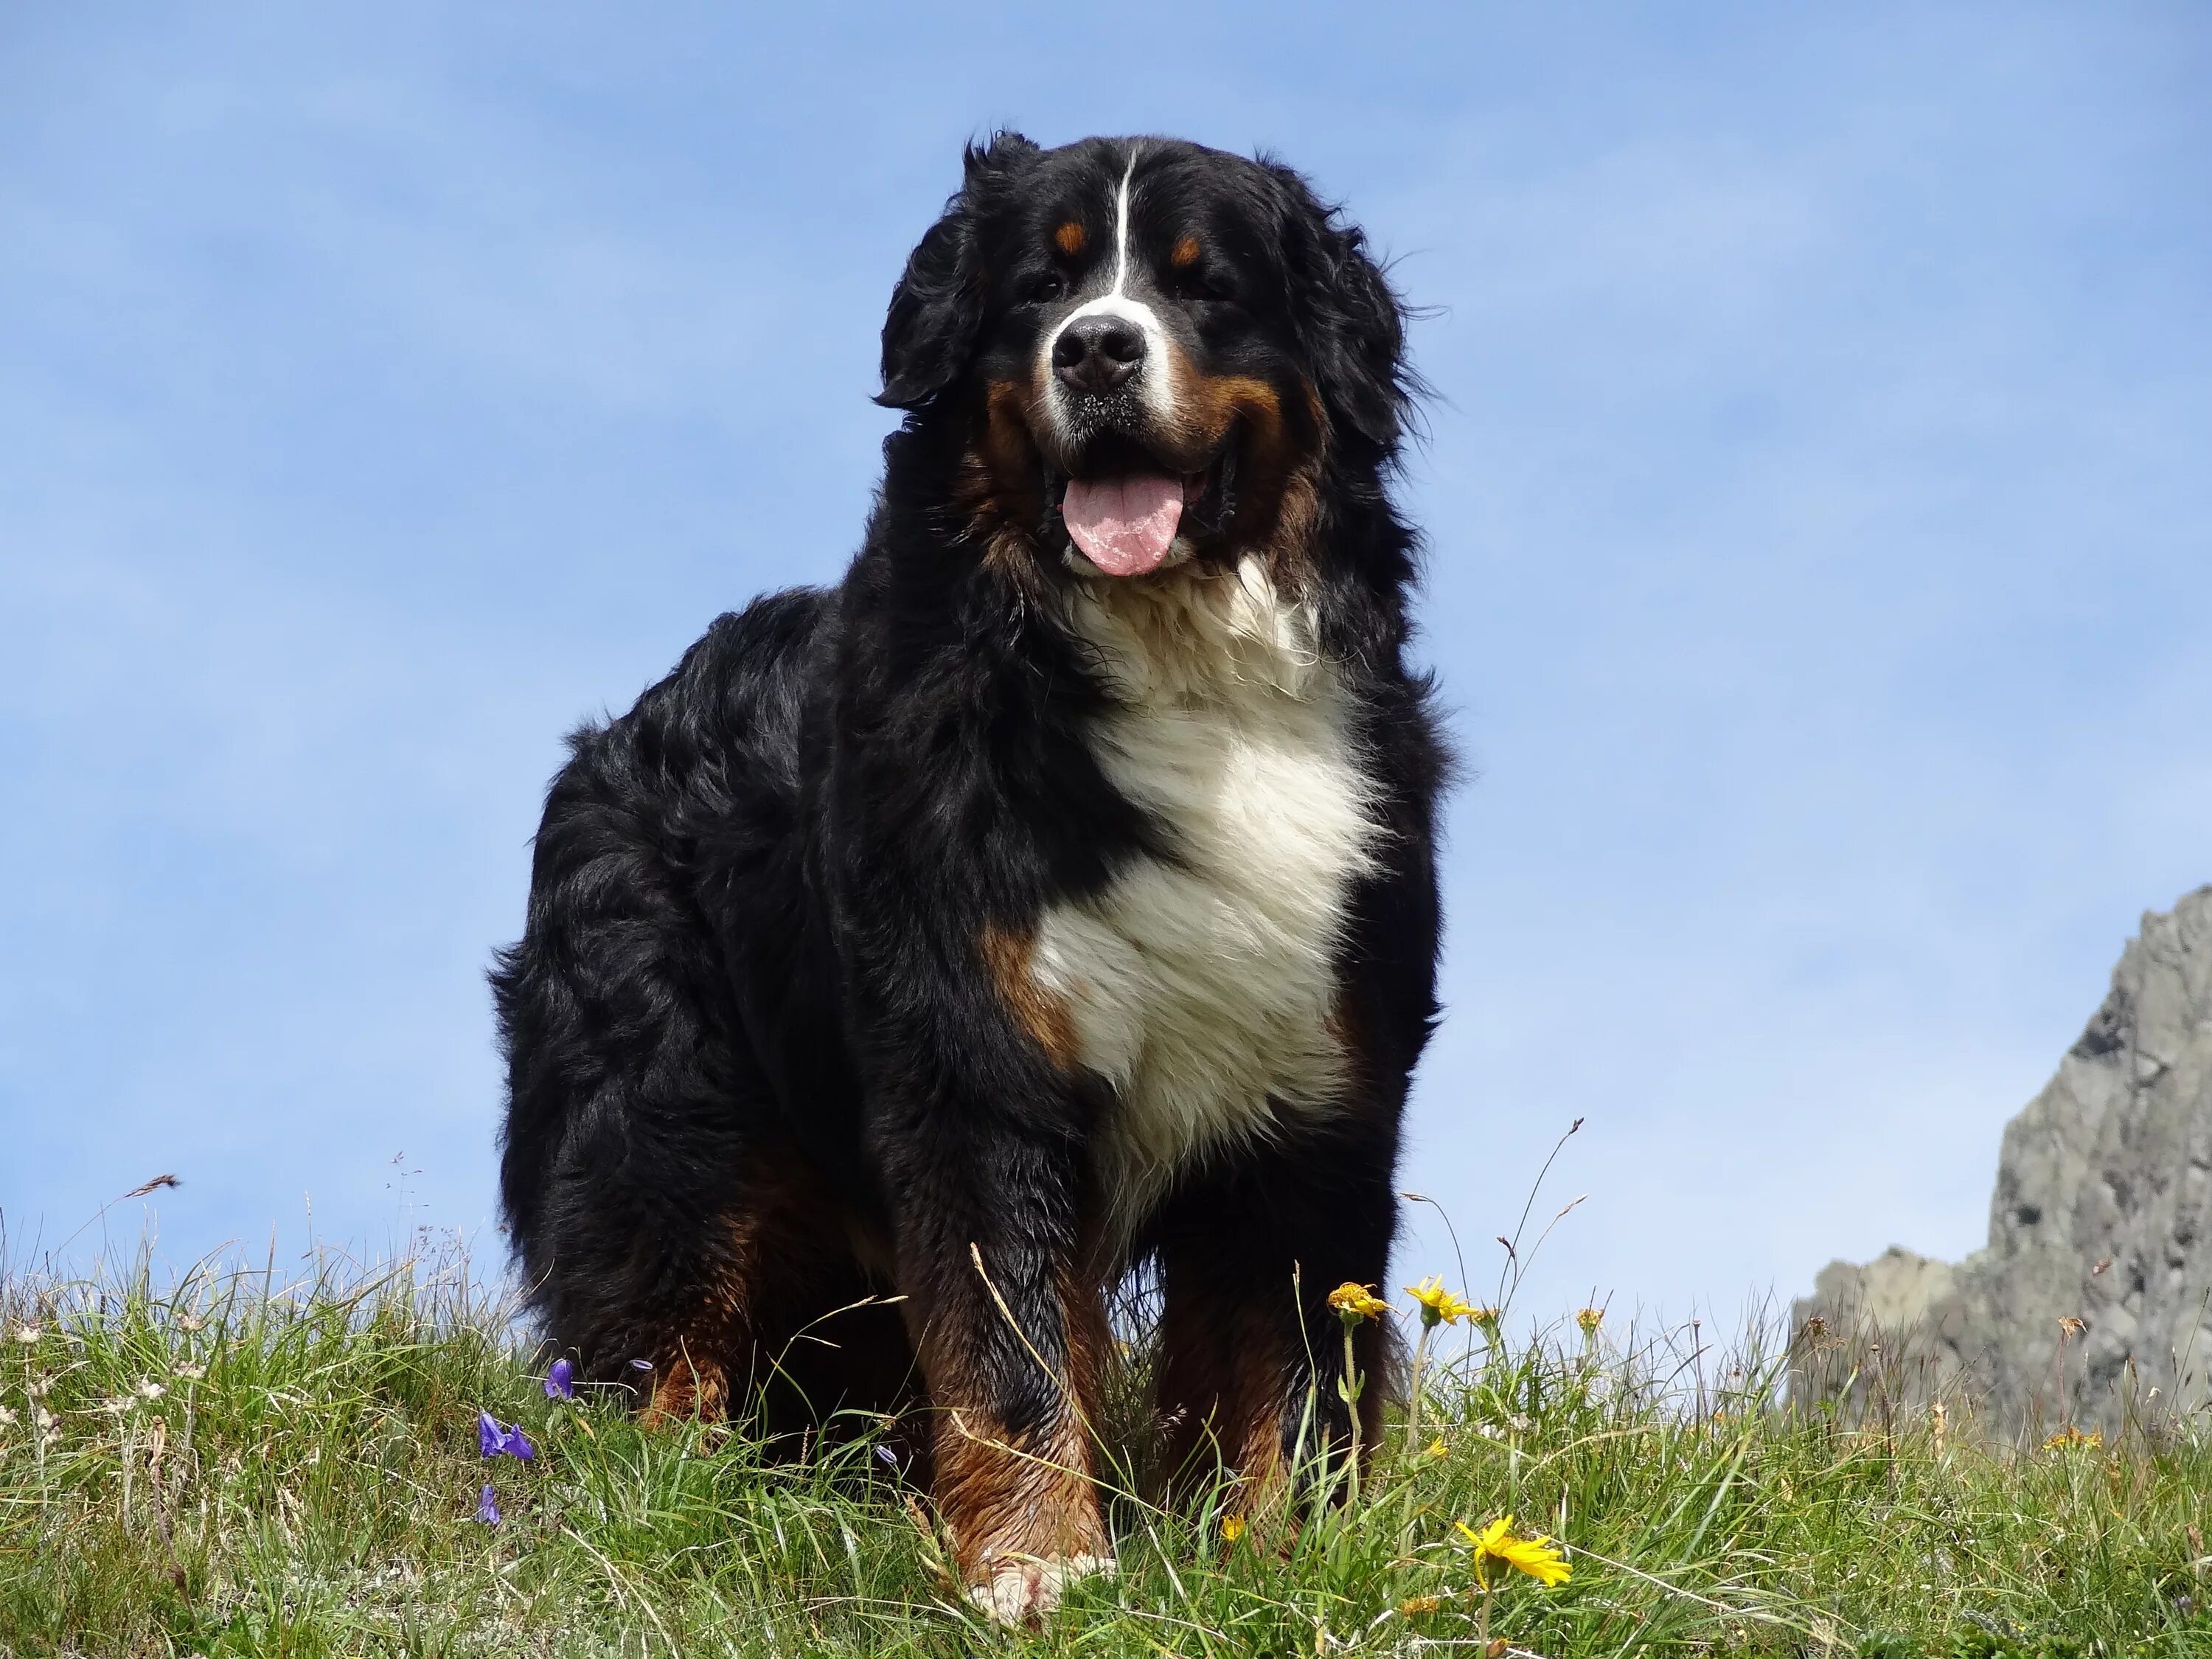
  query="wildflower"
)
[
  {"x": 560, "y": 1380},
  {"x": 1438, "y": 1305},
  {"x": 886, "y": 1456},
  {"x": 1485, "y": 1319},
  {"x": 7, "y": 1418},
  {"x": 1436, "y": 1447},
  {"x": 189, "y": 1373},
  {"x": 1420, "y": 1604},
  {"x": 27, "y": 1334},
  {"x": 1589, "y": 1319},
  {"x": 493, "y": 1441},
  {"x": 488, "y": 1506},
  {"x": 190, "y": 1323},
  {"x": 1355, "y": 1302},
  {"x": 640, "y": 1365},
  {"x": 1538, "y": 1556},
  {"x": 2070, "y": 1327},
  {"x": 150, "y": 1390},
  {"x": 42, "y": 1420},
  {"x": 1232, "y": 1527},
  {"x": 2069, "y": 1436}
]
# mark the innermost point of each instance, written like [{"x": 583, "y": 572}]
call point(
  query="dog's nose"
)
[{"x": 1096, "y": 354}]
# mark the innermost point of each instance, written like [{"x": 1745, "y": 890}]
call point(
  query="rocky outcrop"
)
[{"x": 2095, "y": 1288}]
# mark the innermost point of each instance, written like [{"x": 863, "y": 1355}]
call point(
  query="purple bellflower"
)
[
  {"x": 493, "y": 1441},
  {"x": 488, "y": 1506},
  {"x": 561, "y": 1381}
]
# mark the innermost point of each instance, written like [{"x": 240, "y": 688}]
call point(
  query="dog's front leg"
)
[{"x": 978, "y": 1139}]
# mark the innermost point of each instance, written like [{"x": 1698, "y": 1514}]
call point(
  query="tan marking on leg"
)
[
  {"x": 1022, "y": 1506},
  {"x": 1221, "y": 1387},
  {"x": 685, "y": 1388}
]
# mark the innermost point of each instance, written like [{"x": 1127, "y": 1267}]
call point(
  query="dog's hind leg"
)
[{"x": 643, "y": 1174}]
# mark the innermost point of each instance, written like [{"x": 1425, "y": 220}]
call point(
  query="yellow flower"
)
[
  {"x": 1420, "y": 1604},
  {"x": 1589, "y": 1319},
  {"x": 2070, "y": 1436},
  {"x": 1438, "y": 1305},
  {"x": 1538, "y": 1556},
  {"x": 1436, "y": 1447},
  {"x": 1232, "y": 1527},
  {"x": 1354, "y": 1302}
]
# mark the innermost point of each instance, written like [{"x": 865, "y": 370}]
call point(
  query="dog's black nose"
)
[{"x": 1096, "y": 354}]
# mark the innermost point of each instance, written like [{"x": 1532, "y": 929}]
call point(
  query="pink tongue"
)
[{"x": 1125, "y": 525}]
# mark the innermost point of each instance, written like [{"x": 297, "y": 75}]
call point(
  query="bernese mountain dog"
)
[{"x": 1056, "y": 895}]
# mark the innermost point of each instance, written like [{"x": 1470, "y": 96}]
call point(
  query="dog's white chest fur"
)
[{"x": 1204, "y": 989}]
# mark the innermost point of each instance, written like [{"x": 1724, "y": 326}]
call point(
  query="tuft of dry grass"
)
[{"x": 237, "y": 1464}]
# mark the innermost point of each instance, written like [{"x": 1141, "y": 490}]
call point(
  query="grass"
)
[{"x": 234, "y": 1465}]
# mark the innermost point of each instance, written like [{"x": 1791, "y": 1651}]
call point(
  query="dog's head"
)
[{"x": 1147, "y": 352}]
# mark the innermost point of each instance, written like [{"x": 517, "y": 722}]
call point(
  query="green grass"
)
[{"x": 306, "y": 1483}]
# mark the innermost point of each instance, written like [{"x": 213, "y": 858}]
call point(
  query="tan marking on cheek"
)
[
  {"x": 999, "y": 484},
  {"x": 1042, "y": 1015},
  {"x": 1208, "y": 403},
  {"x": 1184, "y": 254},
  {"x": 1279, "y": 455},
  {"x": 1070, "y": 238}
]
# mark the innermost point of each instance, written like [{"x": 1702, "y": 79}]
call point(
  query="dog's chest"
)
[{"x": 1203, "y": 987}]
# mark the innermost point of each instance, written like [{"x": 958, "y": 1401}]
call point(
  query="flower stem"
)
[
  {"x": 1352, "y": 1407},
  {"x": 1413, "y": 1393}
]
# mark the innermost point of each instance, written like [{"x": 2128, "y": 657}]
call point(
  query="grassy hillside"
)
[{"x": 239, "y": 1466}]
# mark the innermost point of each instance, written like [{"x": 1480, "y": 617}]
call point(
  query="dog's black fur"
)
[{"x": 763, "y": 1066}]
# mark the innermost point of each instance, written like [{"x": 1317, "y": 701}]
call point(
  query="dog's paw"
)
[{"x": 1024, "y": 1588}]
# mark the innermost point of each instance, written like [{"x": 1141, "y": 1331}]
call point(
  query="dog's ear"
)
[
  {"x": 1348, "y": 316},
  {"x": 937, "y": 309}
]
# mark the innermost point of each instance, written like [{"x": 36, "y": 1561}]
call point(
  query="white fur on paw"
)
[{"x": 1024, "y": 1587}]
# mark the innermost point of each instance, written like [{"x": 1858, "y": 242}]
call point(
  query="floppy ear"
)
[
  {"x": 937, "y": 309},
  {"x": 1352, "y": 322}
]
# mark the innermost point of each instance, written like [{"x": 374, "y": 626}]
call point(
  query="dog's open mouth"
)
[{"x": 1124, "y": 512}]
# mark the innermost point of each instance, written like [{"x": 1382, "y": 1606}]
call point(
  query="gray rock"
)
[{"x": 2102, "y": 1215}]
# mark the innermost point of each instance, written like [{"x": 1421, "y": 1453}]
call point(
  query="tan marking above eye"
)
[
  {"x": 1070, "y": 238},
  {"x": 1185, "y": 253}
]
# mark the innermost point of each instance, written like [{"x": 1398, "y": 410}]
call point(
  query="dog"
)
[{"x": 1055, "y": 895}]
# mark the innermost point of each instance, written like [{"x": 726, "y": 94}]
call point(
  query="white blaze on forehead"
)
[
  {"x": 1153, "y": 380},
  {"x": 1122, "y": 225}
]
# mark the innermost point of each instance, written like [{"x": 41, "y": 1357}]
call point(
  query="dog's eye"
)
[
  {"x": 1048, "y": 288},
  {"x": 1209, "y": 285}
]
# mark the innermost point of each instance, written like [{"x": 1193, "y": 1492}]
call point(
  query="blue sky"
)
[{"x": 1820, "y": 570}]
